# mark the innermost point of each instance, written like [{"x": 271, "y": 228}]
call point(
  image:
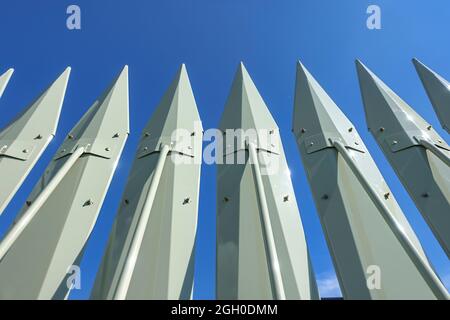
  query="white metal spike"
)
[
  {"x": 438, "y": 90},
  {"x": 150, "y": 253},
  {"x": 24, "y": 140},
  {"x": 261, "y": 246},
  {"x": 4, "y": 79}
]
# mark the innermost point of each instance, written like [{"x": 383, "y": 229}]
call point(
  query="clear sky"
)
[{"x": 211, "y": 37}]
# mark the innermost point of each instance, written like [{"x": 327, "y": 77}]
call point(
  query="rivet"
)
[
  {"x": 63, "y": 150},
  {"x": 311, "y": 143},
  {"x": 38, "y": 137},
  {"x": 116, "y": 135},
  {"x": 193, "y": 134},
  {"x": 271, "y": 132},
  {"x": 25, "y": 150},
  {"x": 303, "y": 130},
  {"x": 226, "y": 199},
  {"x": 325, "y": 197},
  {"x": 350, "y": 129},
  {"x": 147, "y": 134},
  {"x": 381, "y": 129},
  {"x": 28, "y": 202},
  {"x": 286, "y": 198},
  {"x": 425, "y": 195},
  {"x": 386, "y": 195},
  {"x": 107, "y": 149},
  {"x": 394, "y": 142},
  {"x": 70, "y": 136},
  {"x": 429, "y": 128},
  {"x": 145, "y": 148},
  {"x": 186, "y": 200},
  {"x": 126, "y": 201},
  {"x": 88, "y": 203},
  {"x": 356, "y": 143}
]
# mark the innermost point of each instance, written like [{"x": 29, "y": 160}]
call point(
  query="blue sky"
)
[{"x": 211, "y": 37}]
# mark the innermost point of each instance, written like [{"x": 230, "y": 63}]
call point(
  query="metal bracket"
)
[
  {"x": 149, "y": 146},
  {"x": 402, "y": 140},
  {"x": 19, "y": 150},
  {"x": 103, "y": 148},
  {"x": 268, "y": 143},
  {"x": 321, "y": 141}
]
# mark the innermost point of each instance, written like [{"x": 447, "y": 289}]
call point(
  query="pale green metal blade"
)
[
  {"x": 37, "y": 263},
  {"x": 165, "y": 264},
  {"x": 24, "y": 140},
  {"x": 363, "y": 245},
  {"x": 4, "y": 79},
  {"x": 242, "y": 269},
  {"x": 438, "y": 90},
  {"x": 397, "y": 129}
]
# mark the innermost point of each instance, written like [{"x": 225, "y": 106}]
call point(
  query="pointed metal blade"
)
[
  {"x": 355, "y": 226},
  {"x": 24, "y": 140},
  {"x": 244, "y": 263},
  {"x": 438, "y": 90},
  {"x": 39, "y": 259},
  {"x": 4, "y": 79},
  {"x": 165, "y": 260},
  {"x": 398, "y": 129}
]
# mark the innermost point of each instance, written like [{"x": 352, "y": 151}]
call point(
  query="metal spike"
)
[
  {"x": 49, "y": 236},
  {"x": 417, "y": 153},
  {"x": 364, "y": 229},
  {"x": 438, "y": 90},
  {"x": 39, "y": 119},
  {"x": 261, "y": 246},
  {"x": 150, "y": 253},
  {"x": 4, "y": 79}
]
